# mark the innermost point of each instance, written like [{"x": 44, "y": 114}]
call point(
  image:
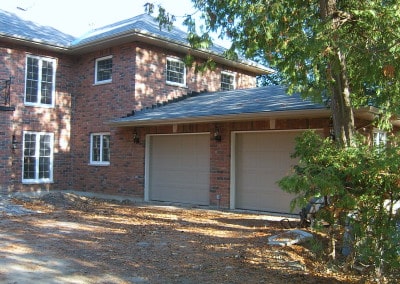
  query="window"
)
[
  {"x": 40, "y": 81},
  {"x": 100, "y": 149},
  {"x": 103, "y": 70},
  {"x": 176, "y": 72},
  {"x": 379, "y": 138},
  {"x": 37, "y": 157},
  {"x": 227, "y": 81}
]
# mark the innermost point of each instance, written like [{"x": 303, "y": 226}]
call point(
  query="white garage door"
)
[
  {"x": 179, "y": 168},
  {"x": 262, "y": 158}
]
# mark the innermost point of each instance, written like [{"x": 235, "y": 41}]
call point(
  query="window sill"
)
[
  {"x": 176, "y": 84},
  {"x": 38, "y": 105},
  {"x": 99, "y": 164},
  {"x": 102, "y": 83},
  {"x": 37, "y": 181}
]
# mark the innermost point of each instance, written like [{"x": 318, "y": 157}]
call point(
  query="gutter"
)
[
  {"x": 367, "y": 113},
  {"x": 315, "y": 113},
  {"x": 370, "y": 113},
  {"x": 175, "y": 45},
  {"x": 35, "y": 44}
]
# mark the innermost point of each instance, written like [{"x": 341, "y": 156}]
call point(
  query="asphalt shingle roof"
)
[
  {"x": 144, "y": 24},
  {"x": 13, "y": 26},
  {"x": 268, "y": 99}
]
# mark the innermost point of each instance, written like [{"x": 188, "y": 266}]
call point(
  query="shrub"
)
[{"x": 363, "y": 186}]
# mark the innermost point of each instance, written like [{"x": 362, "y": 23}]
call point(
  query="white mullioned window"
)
[
  {"x": 40, "y": 76},
  {"x": 100, "y": 149},
  {"x": 37, "y": 157},
  {"x": 176, "y": 72},
  {"x": 380, "y": 138},
  {"x": 227, "y": 81},
  {"x": 103, "y": 70}
]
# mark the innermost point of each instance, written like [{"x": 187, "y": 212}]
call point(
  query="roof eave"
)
[
  {"x": 367, "y": 113},
  {"x": 34, "y": 44},
  {"x": 313, "y": 113},
  {"x": 166, "y": 43},
  {"x": 370, "y": 113}
]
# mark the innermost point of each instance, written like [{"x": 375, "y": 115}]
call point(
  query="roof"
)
[
  {"x": 144, "y": 24},
  {"x": 142, "y": 28},
  {"x": 14, "y": 27},
  {"x": 270, "y": 101}
]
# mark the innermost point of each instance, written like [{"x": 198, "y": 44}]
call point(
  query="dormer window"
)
[
  {"x": 103, "y": 70},
  {"x": 176, "y": 72},
  {"x": 227, "y": 81}
]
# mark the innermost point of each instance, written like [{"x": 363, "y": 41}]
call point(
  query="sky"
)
[{"x": 76, "y": 17}]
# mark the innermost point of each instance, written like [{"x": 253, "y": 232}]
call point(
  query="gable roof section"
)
[
  {"x": 263, "y": 102},
  {"x": 143, "y": 24},
  {"x": 15, "y": 28},
  {"x": 143, "y": 28}
]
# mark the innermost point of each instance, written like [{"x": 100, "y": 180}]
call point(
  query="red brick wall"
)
[
  {"x": 93, "y": 106},
  {"x": 6, "y": 153},
  {"x": 151, "y": 88},
  {"x": 26, "y": 118},
  {"x": 220, "y": 151},
  {"x": 138, "y": 81},
  {"x": 83, "y": 108}
]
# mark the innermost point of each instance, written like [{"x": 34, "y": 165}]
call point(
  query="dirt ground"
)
[{"x": 76, "y": 239}]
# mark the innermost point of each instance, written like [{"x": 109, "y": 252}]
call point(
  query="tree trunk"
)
[{"x": 342, "y": 112}]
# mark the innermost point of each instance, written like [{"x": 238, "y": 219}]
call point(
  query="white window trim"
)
[
  {"x": 184, "y": 72},
  {"x": 38, "y": 180},
  {"x": 96, "y": 82},
  {"x": 53, "y": 91},
  {"x": 98, "y": 163},
  {"x": 230, "y": 74},
  {"x": 379, "y": 138}
]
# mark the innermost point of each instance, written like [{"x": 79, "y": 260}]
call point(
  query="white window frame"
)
[
  {"x": 172, "y": 59},
  {"x": 379, "y": 138},
  {"x": 226, "y": 73},
  {"x": 96, "y": 69},
  {"x": 101, "y": 162},
  {"x": 36, "y": 156},
  {"x": 39, "y": 81}
]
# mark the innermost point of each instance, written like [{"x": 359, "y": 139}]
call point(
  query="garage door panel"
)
[
  {"x": 179, "y": 168},
  {"x": 262, "y": 158}
]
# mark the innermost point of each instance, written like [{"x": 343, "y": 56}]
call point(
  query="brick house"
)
[{"x": 117, "y": 111}]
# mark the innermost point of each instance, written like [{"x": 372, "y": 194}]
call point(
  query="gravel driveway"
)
[{"x": 66, "y": 238}]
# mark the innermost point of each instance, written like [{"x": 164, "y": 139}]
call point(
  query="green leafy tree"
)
[
  {"x": 346, "y": 51},
  {"x": 363, "y": 185}
]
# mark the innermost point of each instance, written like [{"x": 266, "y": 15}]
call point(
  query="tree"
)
[
  {"x": 363, "y": 186},
  {"x": 346, "y": 51}
]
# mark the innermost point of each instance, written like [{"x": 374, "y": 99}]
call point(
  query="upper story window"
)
[
  {"x": 103, "y": 70},
  {"x": 227, "y": 81},
  {"x": 37, "y": 157},
  {"x": 176, "y": 72},
  {"x": 40, "y": 81},
  {"x": 100, "y": 149}
]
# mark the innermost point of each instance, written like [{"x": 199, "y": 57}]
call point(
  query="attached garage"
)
[
  {"x": 184, "y": 163},
  {"x": 178, "y": 168},
  {"x": 260, "y": 159}
]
